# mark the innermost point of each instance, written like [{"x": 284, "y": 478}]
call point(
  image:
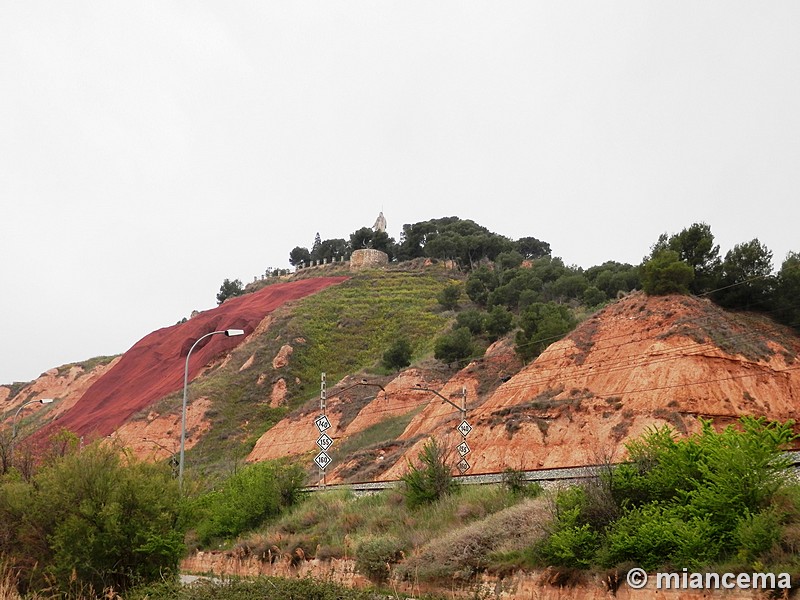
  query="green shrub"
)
[
  {"x": 498, "y": 322},
  {"x": 454, "y": 346},
  {"x": 374, "y": 555},
  {"x": 247, "y": 499},
  {"x": 93, "y": 519},
  {"x": 514, "y": 481},
  {"x": 449, "y": 296},
  {"x": 471, "y": 319},
  {"x": 398, "y": 355},
  {"x": 687, "y": 502},
  {"x": 757, "y": 534},
  {"x": 666, "y": 273},
  {"x": 656, "y": 536},
  {"x": 541, "y": 325},
  {"x": 431, "y": 481}
]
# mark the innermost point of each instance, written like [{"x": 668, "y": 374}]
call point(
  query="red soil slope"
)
[{"x": 154, "y": 366}]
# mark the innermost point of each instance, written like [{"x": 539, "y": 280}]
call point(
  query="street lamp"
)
[
  {"x": 16, "y": 415},
  {"x": 227, "y": 332}
]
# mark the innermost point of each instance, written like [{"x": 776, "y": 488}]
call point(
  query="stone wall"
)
[{"x": 368, "y": 259}]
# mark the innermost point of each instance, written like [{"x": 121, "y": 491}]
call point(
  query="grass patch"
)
[
  {"x": 341, "y": 330},
  {"x": 387, "y": 430},
  {"x": 86, "y": 365},
  {"x": 336, "y": 523}
]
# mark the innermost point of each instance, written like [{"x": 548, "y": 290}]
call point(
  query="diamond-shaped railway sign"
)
[
  {"x": 324, "y": 442},
  {"x": 323, "y": 460},
  {"x": 463, "y": 449},
  {"x": 463, "y": 465},
  {"x": 322, "y": 423},
  {"x": 464, "y": 428}
]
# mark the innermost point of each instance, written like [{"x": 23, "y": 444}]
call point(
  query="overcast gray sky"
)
[{"x": 148, "y": 150}]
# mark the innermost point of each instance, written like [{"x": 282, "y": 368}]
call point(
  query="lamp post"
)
[
  {"x": 16, "y": 415},
  {"x": 227, "y": 332}
]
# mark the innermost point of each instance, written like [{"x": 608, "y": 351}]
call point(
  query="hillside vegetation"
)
[
  {"x": 341, "y": 330},
  {"x": 715, "y": 497}
]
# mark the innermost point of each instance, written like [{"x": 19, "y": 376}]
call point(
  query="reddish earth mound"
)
[{"x": 154, "y": 366}]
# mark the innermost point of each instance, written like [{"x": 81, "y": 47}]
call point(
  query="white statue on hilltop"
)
[{"x": 380, "y": 223}]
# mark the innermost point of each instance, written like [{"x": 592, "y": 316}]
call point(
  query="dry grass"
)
[{"x": 467, "y": 550}]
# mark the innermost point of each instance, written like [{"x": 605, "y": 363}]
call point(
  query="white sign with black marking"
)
[
  {"x": 324, "y": 442},
  {"x": 323, "y": 460},
  {"x": 322, "y": 423}
]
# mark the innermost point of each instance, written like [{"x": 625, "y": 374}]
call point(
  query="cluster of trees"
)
[
  {"x": 690, "y": 262},
  {"x": 448, "y": 238},
  {"x": 538, "y": 299},
  {"x": 713, "y": 497}
]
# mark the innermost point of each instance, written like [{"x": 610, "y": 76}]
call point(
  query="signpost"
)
[
  {"x": 463, "y": 428},
  {"x": 323, "y": 459}
]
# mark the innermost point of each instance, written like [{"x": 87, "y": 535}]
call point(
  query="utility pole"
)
[
  {"x": 322, "y": 423},
  {"x": 463, "y": 427}
]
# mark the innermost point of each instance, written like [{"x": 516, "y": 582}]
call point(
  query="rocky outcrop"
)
[
  {"x": 282, "y": 357},
  {"x": 368, "y": 258},
  {"x": 64, "y": 384}
]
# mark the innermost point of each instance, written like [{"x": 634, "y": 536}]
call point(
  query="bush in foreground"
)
[
  {"x": 432, "y": 480},
  {"x": 694, "y": 502},
  {"x": 93, "y": 519}
]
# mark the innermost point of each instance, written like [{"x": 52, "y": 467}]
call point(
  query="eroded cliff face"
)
[
  {"x": 541, "y": 585},
  {"x": 640, "y": 362},
  {"x": 65, "y": 385}
]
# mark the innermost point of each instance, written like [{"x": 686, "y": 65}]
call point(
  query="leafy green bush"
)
[
  {"x": 757, "y": 534},
  {"x": 480, "y": 283},
  {"x": 656, "y": 535},
  {"x": 430, "y": 481},
  {"x": 247, "y": 499},
  {"x": 449, "y": 296},
  {"x": 571, "y": 546},
  {"x": 471, "y": 319},
  {"x": 93, "y": 518},
  {"x": 514, "y": 481},
  {"x": 398, "y": 355},
  {"x": 374, "y": 555},
  {"x": 666, "y": 273},
  {"x": 690, "y": 502},
  {"x": 454, "y": 346},
  {"x": 541, "y": 325},
  {"x": 498, "y": 322}
]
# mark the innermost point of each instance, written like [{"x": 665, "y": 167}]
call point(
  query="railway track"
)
[{"x": 545, "y": 477}]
